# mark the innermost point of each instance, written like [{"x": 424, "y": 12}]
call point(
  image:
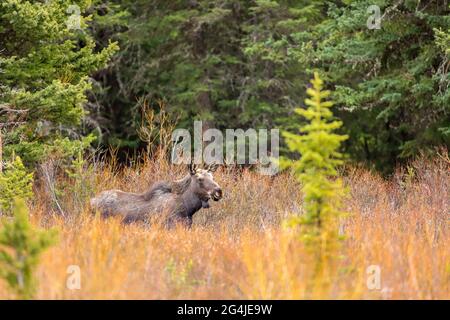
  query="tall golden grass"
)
[{"x": 239, "y": 249}]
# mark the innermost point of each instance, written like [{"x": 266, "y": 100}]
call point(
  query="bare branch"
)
[{"x": 6, "y": 109}]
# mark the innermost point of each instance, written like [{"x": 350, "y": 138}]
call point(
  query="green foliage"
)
[
  {"x": 318, "y": 146},
  {"x": 15, "y": 181},
  {"x": 224, "y": 62},
  {"x": 231, "y": 63},
  {"x": 240, "y": 64},
  {"x": 20, "y": 248},
  {"x": 45, "y": 63},
  {"x": 181, "y": 274},
  {"x": 392, "y": 84},
  {"x": 443, "y": 41},
  {"x": 77, "y": 190}
]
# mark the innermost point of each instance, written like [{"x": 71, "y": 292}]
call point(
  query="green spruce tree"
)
[
  {"x": 316, "y": 170},
  {"x": 15, "y": 181},
  {"x": 392, "y": 81},
  {"x": 20, "y": 248},
  {"x": 46, "y": 57}
]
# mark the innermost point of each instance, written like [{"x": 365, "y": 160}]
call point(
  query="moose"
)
[{"x": 174, "y": 202}]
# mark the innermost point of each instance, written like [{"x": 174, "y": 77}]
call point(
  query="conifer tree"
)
[
  {"x": 46, "y": 57},
  {"x": 316, "y": 170},
  {"x": 391, "y": 83},
  {"x": 20, "y": 248},
  {"x": 15, "y": 181}
]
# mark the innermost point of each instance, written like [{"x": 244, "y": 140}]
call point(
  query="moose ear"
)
[
  {"x": 192, "y": 168},
  {"x": 212, "y": 167}
]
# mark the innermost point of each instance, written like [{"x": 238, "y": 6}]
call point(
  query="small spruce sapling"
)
[
  {"x": 15, "y": 181},
  {"x": 21, "y": 245},
  {"x": 316, "y": 170}
]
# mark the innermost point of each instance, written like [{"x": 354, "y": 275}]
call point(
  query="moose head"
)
[{"x": 203, "y": 182}]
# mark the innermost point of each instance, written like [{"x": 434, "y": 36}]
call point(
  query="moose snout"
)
[{"x": 217, "y": 194}]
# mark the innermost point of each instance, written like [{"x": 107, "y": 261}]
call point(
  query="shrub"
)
[
  {"x": 15, "y": 181},
  {"x": 20, "y": 248},
  {"x": 316, "y": 170}
]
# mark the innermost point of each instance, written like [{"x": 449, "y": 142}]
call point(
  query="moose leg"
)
[
  {"x": 131, "y": 218},
  {"x": 188, "y": 222},
  {"x": 205, "y": 205},
  {"x": 183, "y": 221}
]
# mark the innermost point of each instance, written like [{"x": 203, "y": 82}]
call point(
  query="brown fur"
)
[{"x": 175, "y": 201}]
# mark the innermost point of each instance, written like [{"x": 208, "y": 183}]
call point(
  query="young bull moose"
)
[{"x": 175, "y": 201}]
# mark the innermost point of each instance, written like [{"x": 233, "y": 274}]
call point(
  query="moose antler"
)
[
  {"x": 192, "y": 168},
  {"x": 212, "y": 167}
]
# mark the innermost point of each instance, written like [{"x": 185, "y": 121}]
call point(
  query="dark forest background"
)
[{"x": 231, "y": 63}]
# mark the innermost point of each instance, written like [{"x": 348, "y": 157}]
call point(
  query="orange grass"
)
[{"x": 238, "y": 249}]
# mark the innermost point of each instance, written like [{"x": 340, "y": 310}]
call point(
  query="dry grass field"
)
[{"x": 239, "y": 248}]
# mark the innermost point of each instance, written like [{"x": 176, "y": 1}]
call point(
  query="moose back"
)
[{"x": 173, "y": 202}]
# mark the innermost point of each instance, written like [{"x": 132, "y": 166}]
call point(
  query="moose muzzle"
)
[{"x": 217, "y": 194}]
